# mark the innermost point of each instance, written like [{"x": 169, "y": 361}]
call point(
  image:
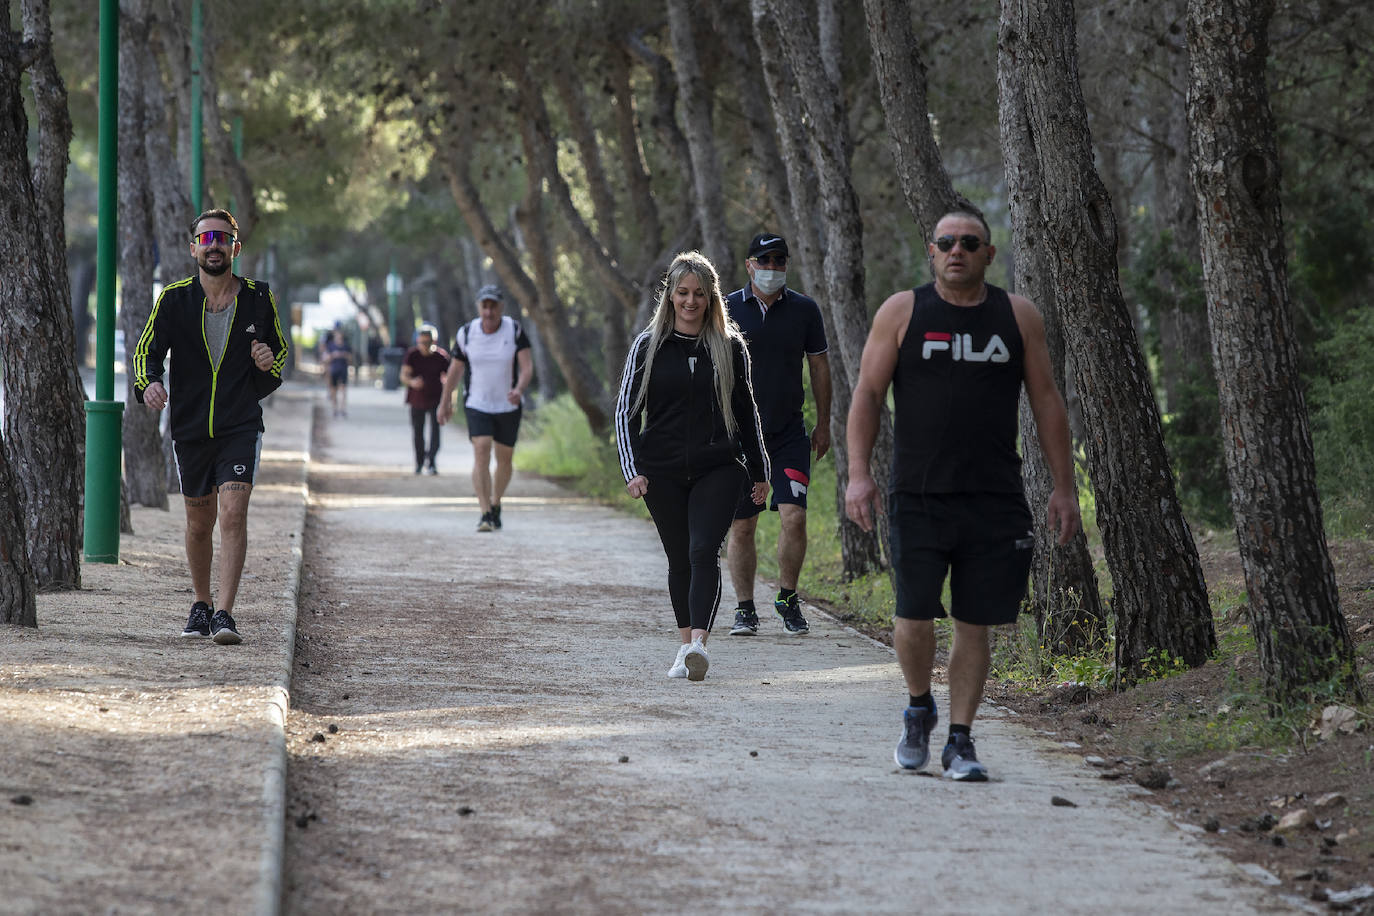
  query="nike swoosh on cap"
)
[{"x": 769, "y": 241}]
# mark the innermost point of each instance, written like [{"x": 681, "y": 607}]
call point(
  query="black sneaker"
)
[
  {"x": 746, "y": 623},
  {"x": 496, "y": 516},
  {"x": 431, "y": 470},
  {"x": 961, "y": 761},
  {"x": 485, "y": 524},
  {"x": 913, "y": 750},
  {"x": 222, "y": 625},
  {"x": 793, "y": 623},
  {"x": 198, "y": 624}
]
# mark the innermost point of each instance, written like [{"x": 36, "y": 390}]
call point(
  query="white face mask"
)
[{"x": 769, "y": 282}]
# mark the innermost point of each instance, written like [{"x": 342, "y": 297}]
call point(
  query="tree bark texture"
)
[
  {"x": 901, "y": 77},
  {"x": 830, "y": 147},
  {"x": 45, "y": 420},
  {"x": 1160, "y": 596},
  {"x": 815, "y": 214},
  {"x": 694, "y": 95},
  {"x": 171, "y": 180},
  {"x": 54, "y": 139},
  {"x": 1185, "y": 347},
  {"x": 219, "y": 142},
  {"x": 17, "y": 601},
  {"x": 1064, "y": 598},
  {"x": 145, "y": 474},
  {"x": 745, "y": 71},
  {"x": 1294, "y": 605},
  {"x": 542, "y": 148},
  {"x": 634, "y": 167}
]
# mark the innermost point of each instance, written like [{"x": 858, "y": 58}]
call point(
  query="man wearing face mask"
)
[{"x": 783, "y": 329}]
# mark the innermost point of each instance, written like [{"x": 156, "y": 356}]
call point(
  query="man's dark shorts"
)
[
  {"x": 503, "y": 427},
  {"x": 984, "y": 541},
  {"x": 338, "y": 375},
  {"x": 204, "y": 464},
  {"x": 790, "y": 457}
]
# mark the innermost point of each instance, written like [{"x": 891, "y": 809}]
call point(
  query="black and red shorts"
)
[{"x": 790, "y": 457}]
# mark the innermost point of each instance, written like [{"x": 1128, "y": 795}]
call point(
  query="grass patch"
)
[{"x": 557, "y": 442}]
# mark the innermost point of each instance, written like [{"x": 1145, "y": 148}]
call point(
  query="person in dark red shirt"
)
[{"x": 422, "y": 374}]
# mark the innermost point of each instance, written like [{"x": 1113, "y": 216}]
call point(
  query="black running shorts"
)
[
  {"x": 204, "y": 464},
  {"x": 790, "y": 457},
  {"x": 503, "y": 427},
  {"x": 982, "y": 540}
]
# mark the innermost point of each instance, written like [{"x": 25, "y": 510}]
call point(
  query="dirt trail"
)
[
  {"x": 506, "y": 740},
  {"x": 153, "y": 766}
]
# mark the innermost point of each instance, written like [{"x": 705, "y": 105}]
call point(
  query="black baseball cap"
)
[{"x": 767, "y": 241}]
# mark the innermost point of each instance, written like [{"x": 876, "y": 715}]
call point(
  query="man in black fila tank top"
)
[{"x": 956, "y": 353}]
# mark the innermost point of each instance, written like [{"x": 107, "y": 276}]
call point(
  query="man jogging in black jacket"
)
[{"x": 227, "y": 352}]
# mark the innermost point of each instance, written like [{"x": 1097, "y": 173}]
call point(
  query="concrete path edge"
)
[{"x": 273, "y": 853}]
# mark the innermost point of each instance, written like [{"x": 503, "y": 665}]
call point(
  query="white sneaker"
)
[
  {"x": 679, "y": 669},
  {"x": 696, "y": 661}
]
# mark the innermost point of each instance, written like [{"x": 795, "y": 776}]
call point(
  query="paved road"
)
[{"x": 506, "y": 740}]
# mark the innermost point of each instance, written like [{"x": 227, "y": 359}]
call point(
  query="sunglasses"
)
[
  {"x": 771, "y": 260},
  {"x": 214, "y": 237},
  {"x": 969, "y": 243}
]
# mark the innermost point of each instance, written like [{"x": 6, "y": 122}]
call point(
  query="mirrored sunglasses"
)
[
  {"x": 969, "y": 243},
  {"x": 214, "y": 237}
]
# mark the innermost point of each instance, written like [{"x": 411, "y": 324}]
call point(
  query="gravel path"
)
[{"x": 480, "y": 723}]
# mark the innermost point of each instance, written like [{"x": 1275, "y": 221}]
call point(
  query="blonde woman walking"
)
[{"x": 690, "y": 442}]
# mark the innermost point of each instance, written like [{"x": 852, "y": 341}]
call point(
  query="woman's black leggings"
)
[
  {"x": 693, "y": 515},
  {"x": 418, "y": 416}
]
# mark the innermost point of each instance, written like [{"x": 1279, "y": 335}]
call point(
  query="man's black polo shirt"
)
[{"x": 779, "y": 338}]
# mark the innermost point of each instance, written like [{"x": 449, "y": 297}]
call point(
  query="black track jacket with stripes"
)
[
  {"x": 207, "y": 400},
  {"x": 679, "y": 429}
]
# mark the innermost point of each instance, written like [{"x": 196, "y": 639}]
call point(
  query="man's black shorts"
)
[
  {"x": 338, "y": 375},
  {"x": 790, "y": 457},
  {"x": 983, "y": 540},
  {"x": 204, "y": 464},
  {"x": 503, "y": 427}
]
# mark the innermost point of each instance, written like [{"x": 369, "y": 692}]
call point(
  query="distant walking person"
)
[
  {"x": 956, "y": 353},
  {"x": 690, "y": 442},
  {"x": 496, "y": 367},
  {"x": 783, "y": 329},
  {"x": 227, "y": 352},
  {"x": 422, "y": 374},
  {"x": 338, "y": 355}
]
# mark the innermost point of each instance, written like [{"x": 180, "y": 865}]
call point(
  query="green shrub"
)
[
  {"x": 1340, "y": 401},
  {"x": 558, "y": 442}
]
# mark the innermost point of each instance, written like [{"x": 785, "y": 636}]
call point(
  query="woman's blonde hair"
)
[{"x": 717, "y": 331}]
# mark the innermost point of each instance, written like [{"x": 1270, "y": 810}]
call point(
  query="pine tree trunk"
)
[
  {"x": 810, "y": 117},
  {"x": 17, "y": 604},
  {"x": 695, "y": 98},
  {"x": 1064, "y": 598},
  {"x": 1294, "y": 605},
  {"x": 1160, "y": 596},
  {"x": 1185, "y": 350},
  {"x": 901, "y": 77},
  {"x": 45, "y": 421},
  {"x": 587, "y": 390},
  {"x": 144, "y": 473}
]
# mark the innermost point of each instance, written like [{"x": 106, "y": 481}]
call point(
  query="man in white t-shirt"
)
[{"x": 492, "y": 355}]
